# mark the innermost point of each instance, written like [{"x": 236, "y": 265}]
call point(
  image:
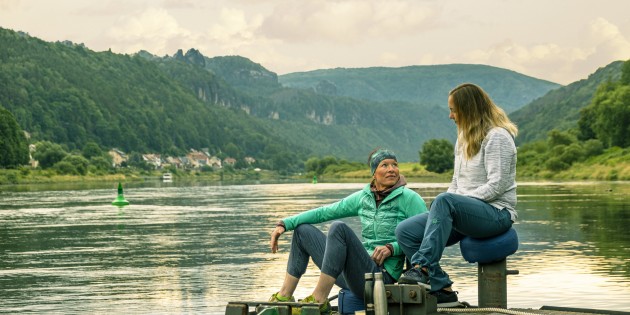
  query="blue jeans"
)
[
  {"x": 340, "y": 255},
  {"x": 452, "y": 217}
]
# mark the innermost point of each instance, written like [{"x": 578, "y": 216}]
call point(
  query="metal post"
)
[
  {"x": 236, "y": 309},
  {"x": 408, "y": 299},
  {"x": 492, "y": 284}
]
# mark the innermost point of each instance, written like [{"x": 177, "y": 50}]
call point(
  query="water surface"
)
[{"x": 191, "y": 249}]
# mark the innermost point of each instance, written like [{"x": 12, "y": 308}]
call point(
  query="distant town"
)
[{"x": 193, "y": 160}]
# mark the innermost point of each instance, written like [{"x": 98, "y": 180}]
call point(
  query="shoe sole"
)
[
  {"x": 422, "y": 284},
  {"x": 451, "y": 304}
]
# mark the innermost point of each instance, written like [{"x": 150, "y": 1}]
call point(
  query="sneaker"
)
[
  {"x": 415, "y": 276},
  {"x": 276, "y": 297},
  {"x": 446, "y": 298},
  {"x": 324, "y": 309}
]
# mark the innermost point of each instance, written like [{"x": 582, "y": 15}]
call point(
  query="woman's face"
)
[
  {"x": 386, "y": 174},
  {"x": 451, "y": 107}
]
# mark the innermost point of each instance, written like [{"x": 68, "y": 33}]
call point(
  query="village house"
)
[
  {"x": 194, "y": 159},
  {"x": 198, "y": 159},
  {"x": 229, "y": 161},
  {"x": 174, "y": 161},
  {"x": 153, "y": 159},
  {"x": 34, "y": 163},
  {"x": 118, "y": 157},
  {"x": 215, "y": 162}
]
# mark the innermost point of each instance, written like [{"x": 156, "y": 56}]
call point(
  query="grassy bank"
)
[
  {"x": 409, "y": 170},
  {"x": 37, "y": 176},
  {"x": 614, "y": 165},
  {"x": 610, "y": 167}
]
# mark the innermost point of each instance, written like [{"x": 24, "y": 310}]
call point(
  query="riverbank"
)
[
  {"x": 608, "y": 170},
  {"x": 38, "y": 176}
]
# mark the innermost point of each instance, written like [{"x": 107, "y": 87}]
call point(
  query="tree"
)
[
  {"x": 90, "y": 150},
  {"x": 318, "y": 166},
  {"x": 556, "y": 137},
  {"x": 136, "y": 160},
  {"x": 101, "y": 163},
  {"x": 79, "y": 163},
  {"x": 625, "y": 73},
  {"x": 232, "y": 150},
  {"x": 13, "y": 144},
  {"x": 608, "y": 116},
  {"x": 48, "y": 153},
  {"x": 437, "y": 155}
]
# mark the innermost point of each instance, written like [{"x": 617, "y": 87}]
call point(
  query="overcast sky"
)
[{"x": 562, "y": 41}]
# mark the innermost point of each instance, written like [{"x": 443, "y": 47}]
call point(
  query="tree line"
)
[{"x": 603, "y": 125}]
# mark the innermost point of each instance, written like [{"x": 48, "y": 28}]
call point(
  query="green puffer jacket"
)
[{"x": 378, "y": 225}]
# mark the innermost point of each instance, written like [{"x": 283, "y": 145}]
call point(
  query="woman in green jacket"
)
[{"x": 341, "y": 256}]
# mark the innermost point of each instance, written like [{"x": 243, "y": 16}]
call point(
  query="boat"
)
[{"x": 167, "y": 177}]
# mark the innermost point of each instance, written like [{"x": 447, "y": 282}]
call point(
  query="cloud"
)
[
  {"x": 9, "y": 4},
  {"x": 153, "y": 30},
  {"x": 607, "y": 43},
  {"x": 182, "y": 4},
  {"x": 534, "y": 60},
  {"x": 602, "y": 44},
  {"x": 234, "y": 29},
  {"x": 106, "y": 8},
  {"x": 345, "y": 21}
]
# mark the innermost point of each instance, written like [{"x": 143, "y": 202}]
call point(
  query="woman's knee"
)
[
  {"x": 411, "y": 227},
  {"x": 338, "y": 227},
  {"x": 303, "y": 229},
  {"x": 443, "y": 197},
  {"x": 443, "y": 201}
]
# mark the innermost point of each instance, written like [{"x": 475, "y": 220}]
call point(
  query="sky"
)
[{"x": 561, "y": 41}]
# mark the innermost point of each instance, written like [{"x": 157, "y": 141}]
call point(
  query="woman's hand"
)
[
  {"x": 275, "y": 235},
  {"x": 380, "y": 254}
]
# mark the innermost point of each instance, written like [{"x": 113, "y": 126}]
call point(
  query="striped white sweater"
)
[{"x": 491, "y": 174}]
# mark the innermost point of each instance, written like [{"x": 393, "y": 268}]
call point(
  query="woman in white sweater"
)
[{"x": 481, "y": 199}]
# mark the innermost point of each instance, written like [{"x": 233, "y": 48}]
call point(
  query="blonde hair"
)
[{"x": 476, "y": 115}]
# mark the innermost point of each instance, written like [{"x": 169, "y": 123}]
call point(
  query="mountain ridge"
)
[
  {"x": 560, "y": 108},
  {"x": 427, "y": 84},
  {"x": 187, "y": 100}
]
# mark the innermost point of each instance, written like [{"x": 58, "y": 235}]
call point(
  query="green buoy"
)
[{"x": 120, "y": 200}]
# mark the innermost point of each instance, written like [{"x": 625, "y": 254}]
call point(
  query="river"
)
[{"x": 184, "y": 248}]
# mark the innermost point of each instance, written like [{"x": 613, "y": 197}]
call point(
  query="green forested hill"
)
[
  {"x": 68, "y": 94},
  {"x": 345, "y": 127},
  {"x": 421, "y": 84},
  {"x": 560, "y": 108}
]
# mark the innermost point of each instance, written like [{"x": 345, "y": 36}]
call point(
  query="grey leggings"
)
[{"x": 340, "y": 255}]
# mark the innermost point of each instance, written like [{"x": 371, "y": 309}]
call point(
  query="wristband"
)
[{"x": 390, "y": 247}]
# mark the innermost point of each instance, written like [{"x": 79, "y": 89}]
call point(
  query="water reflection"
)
[{"x": 191, "y": 249}]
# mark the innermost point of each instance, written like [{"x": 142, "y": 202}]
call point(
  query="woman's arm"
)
[
  {"x": 343, "y": 208},
  {"x": 346, "y": 207},
  {"x": 499, "y": 159}
]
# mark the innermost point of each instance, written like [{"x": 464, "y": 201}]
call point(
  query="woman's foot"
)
[
  {"x": 324, "y": 308},
  {"x": 415, "y": 276},
  {"x": 276, "y": 297},
  {"x": 446, "y": 297}
]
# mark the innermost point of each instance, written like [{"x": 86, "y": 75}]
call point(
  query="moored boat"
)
[{"x": 167, "y": 177}]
